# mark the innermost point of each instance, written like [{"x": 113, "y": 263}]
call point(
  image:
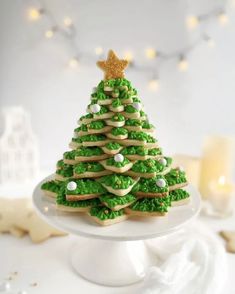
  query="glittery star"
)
[{"x": 113, "y": 67}]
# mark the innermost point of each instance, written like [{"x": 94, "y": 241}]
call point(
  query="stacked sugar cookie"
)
[{"x": 116, "y": 168}]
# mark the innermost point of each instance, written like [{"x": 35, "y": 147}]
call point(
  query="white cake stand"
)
[{"x": 115, "y": 255}]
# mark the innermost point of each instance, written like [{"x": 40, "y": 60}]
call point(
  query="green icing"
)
[
  {"x": 124, "y": 95},
  {"x": 61, "y": 200},
  {"x": 141, "y": 136},
  {"x": 70, "y": 154},
  {"x": 104, "y": 213},
  {"x": 92, "y": 138},
  {"x": 77, "y": 140},
  {"x": 89, "y": 115},
  {"x": 82, "y": 128},
  {"x": 109, "y": 83},
  {"x": 112, "y": 162},
  {"x": 119, "y": 131},
  {"x": 112, "y": 200},
  {"x": 178, "y": 194},
  {"x": 60, "y": 164},
  {"x": 122, "y": 82},
  {"x": 83, "y": 167},
  {"x": 113, "y": 146},
  {"x": 86, "y": 186},
  {"x": 147, "y": 125},
  {"x": 116, "y": 103},
  {"x": 147, "y": 166},
  {"x": 157, "y": 204},
  {"x": 66, "y": 171},
  {"x": 149, "y": 185},
  {"x": 118, "y": 117},
  {"x": 136, "y": 99},
  {"x": 130, "y": 109},
  {"x": 133, "y": 122},
  {"x": 117, "y": 181},
  {"x": 175, "y": 176},
  {"x": 101, "y": 96},
  {"x": 51, "y": 186},
  {"x": 140, "y": 150},
  {"x": 89, "y": 151},
  {"x": 155, "y": 151},
  {"x": 134, "y": 150},
  {"x": 96, "y": 125},
  {"x": 150, "y": 165},
  {"x": 142, "y": 113}
]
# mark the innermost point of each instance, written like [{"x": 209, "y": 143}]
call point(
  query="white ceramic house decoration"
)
[{"x": 19, "y": 152}]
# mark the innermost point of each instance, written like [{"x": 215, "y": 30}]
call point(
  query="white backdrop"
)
[{"x": 187, "y": 107}]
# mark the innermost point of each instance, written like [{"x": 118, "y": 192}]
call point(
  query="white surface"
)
[
  {"x": 56, "y": 277},
  {"x": 33, "y": 69},
  {"x": 131, "y": 229}
]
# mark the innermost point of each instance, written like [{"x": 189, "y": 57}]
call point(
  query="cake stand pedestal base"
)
[{"x": 111, "y": 263}]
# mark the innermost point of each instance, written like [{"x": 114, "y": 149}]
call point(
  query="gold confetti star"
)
[{"x": 113, "y": 67}]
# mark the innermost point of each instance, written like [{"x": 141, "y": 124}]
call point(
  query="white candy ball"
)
[
  {"x": 119, "y": 157},
  {"x": 161, "y": 183},
  {"x": 94, "y": 89},
  {"x": 71, "y": 186},
  {"x": 95, "y": 108},
  {"x": 162, "y": 161},
  {"x": 137, "y": 106}
]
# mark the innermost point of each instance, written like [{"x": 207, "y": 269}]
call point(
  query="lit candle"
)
[
  {"x": 220, "y": 196},
  {"x": 217, "y": 159}
]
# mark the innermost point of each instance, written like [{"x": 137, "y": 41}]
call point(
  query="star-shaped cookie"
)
[{"x": 113, "y": 67}]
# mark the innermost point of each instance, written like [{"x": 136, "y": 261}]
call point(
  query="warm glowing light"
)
[
  {"x": 223, "y": 18},
  {"x": 221, "y": 180},
  {"x": 34, "y": 14},
  {"x": 49, "y": 34},
  {"x": 128, "y": 55},
  {"x": 99, "y": 50},
  {"x": 182, "y": 64},
  {"x": 68, "y": 21},
  {"x": 73, "y": 62},
  {"x": 150, "y": 53},
  {"x": 153, "y": 85},
  {"x": 192, "y": 21}
]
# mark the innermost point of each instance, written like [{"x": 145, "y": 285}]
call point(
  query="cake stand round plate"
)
[{"x": 115, "y": 255}]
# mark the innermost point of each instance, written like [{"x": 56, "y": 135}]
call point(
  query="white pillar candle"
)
[
  {"x": 220, "y": 196},
  {"x": 217, "y": 160}
]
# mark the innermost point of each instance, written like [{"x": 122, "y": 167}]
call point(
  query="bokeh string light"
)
[{"x": 69, "y": 32}]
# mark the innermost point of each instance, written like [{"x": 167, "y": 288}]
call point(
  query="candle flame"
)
[{"x": 221, "y": 180}]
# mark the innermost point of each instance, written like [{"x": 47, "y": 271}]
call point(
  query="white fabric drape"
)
[{"x": 191, "y": 261}]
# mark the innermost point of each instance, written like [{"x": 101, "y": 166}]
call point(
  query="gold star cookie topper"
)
[{"x": 113, "y": 67}]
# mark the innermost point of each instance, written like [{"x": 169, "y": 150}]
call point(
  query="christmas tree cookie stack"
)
[{"x": 115, "y": 168}]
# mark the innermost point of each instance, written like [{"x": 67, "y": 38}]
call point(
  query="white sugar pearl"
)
[
  {"x": 5, "y": 286},
  {"x": 94, "y": 89},
  {"x": 119, "y": 157},
  {"x": 137, "y": 106},
  {"x": 161, "y": 183},
  {"x": 162, "y": 161},
  {"x": 95, "y": 108},
  {"x": 71, "y": 186}
]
